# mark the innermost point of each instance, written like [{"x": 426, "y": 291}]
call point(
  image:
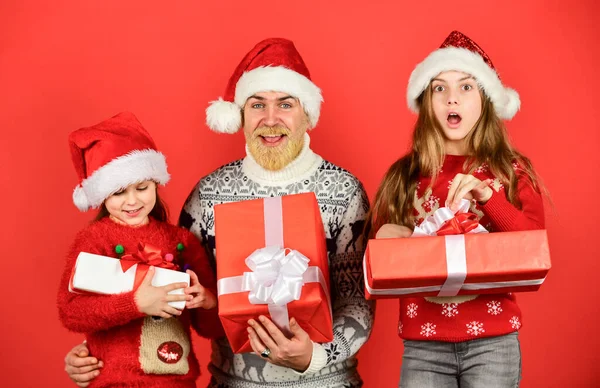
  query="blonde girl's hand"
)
[
  {"x": 201, "y": 296},
  {"x": 393, "y": 231},
  {"x": 154, "y": 301},
  {"x": 468, "y": 187}
]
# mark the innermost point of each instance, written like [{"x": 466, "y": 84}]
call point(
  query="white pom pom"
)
[
  {"x": 513, "y": 104},
  {"x": 80, "y": 199},
  {"x": 223, "y": 116}
]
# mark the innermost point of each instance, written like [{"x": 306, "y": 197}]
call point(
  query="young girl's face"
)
[
  {"x": 456, "y": 105},
  {"x": 132, "y": 204}
]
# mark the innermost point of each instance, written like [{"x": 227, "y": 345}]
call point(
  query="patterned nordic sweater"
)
[
  {"x": 344, "y": 205},
  {"x": 462, "y": 318},
  {"x": 127, "y": 340}
]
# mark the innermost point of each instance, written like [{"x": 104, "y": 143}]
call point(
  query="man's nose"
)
[{"x": 271, "y": 118}]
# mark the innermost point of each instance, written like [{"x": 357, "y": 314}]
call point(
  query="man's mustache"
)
[{"x": 271, "y": 131}]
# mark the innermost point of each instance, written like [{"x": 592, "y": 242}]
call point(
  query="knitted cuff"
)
[
  {"x": 124, "y": 304},
  {"x": 500, "y": 211},
  {"x": 317, "y": 362}
]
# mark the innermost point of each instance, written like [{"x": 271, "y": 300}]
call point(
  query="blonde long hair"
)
[{"x": 486, "y": 143}]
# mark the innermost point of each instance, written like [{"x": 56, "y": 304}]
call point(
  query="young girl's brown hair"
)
[{"x": 487, "y": 143}]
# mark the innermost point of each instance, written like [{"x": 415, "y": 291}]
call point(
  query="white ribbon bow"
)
[
  {"x": 276, "y": 278},
  {"x": 456, "y": 257},
  {"x": 434, "y": 222}
]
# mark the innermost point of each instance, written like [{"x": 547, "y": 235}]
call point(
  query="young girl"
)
[
  {"x": 460, "y": 151},
  {"x": 142, "y": 340}
]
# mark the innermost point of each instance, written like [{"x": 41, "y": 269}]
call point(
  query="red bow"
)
[
  {"x": 146, "y": 254},
  {"x": 461, "y": 223}
]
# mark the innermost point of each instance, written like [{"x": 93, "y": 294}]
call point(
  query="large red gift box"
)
[
  {"x": 483, "y": 263},
  {"x": 292, "y": 223}
]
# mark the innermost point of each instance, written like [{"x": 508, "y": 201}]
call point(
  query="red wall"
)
[{"x": 63, "y": 66}]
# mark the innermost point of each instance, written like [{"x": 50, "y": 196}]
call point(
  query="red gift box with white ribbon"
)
[
  {"x": 272, "y": 261},
  {"x": 440, "y": 262}
]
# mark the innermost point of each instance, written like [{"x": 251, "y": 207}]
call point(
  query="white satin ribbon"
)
[
  {"x": 277, "y": 278},
  {"x": 456, "y": 262},
  {"x": 434, "y": 222},
  {"x": 468, "y": 286},
  {"x": 456, "y": 258}
]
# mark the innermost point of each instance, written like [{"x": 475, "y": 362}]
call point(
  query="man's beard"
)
[{"x": 277, "y": 157}]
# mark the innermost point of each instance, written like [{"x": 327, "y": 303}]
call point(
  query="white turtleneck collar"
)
[{"x": 305, "y": 164}]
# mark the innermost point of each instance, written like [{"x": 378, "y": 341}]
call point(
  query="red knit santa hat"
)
[
  {"x": 272, "y": 65},
  {"x": 460, "y": 53},
  {"x": 110, "y": 156}
]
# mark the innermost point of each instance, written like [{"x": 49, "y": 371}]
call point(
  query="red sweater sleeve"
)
[
  {"x": 89, "y": 313},
  {"x": 206, "y": 322},
  {"x": 506, "y": 217}
]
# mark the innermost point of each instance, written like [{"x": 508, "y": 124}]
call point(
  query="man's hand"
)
[
  {"x": 295, "y": 353},
  {"x": 80, "y": 367}
]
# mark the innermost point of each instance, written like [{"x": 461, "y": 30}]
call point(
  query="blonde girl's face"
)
[
  {"x": 133, "y": 204},
  {"x": 457, "y": 106}
]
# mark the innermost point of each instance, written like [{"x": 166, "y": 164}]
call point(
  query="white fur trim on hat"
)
[
  {"x": 119, "y": 173},
  {"x": 506, "y": 101},
  {"x": 224, "y": 116},
  {"x": 80, "y": 199},
  {"x": 283, "y": 80}
]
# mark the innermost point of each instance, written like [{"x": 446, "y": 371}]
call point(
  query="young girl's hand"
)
[
  {"x": 153, "y": 301},
  {"x": 468, "y": 187},
  {"x": 201, "y": 296},
  {"x": 393, "y": 231}
]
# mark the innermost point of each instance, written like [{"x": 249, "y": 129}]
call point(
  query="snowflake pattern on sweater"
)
[
  {"x": 343, "y": 205},
  {"x": 462, "y": 318}
]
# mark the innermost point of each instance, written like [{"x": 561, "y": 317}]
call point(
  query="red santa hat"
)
[
  {"x": 272, "y": 65},
  {"x": 110, "y": 156},
  {"x": 460, "y": 53}
]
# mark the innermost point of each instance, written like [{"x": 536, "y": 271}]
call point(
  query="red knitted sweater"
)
[
  {"x": 456, "y": 319},
  {"x": 117, "y": 333}
]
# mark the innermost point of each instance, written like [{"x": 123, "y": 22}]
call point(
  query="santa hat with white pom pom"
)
[
  {"x": 273, "y": 65},
  {"x": 112, "y": 155}
]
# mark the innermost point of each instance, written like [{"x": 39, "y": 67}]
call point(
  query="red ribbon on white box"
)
[
  {"x": 456, "y": 258},
  {"x": 278, "y": 274}
]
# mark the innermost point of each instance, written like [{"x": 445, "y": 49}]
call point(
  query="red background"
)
[{"x": 66, "y": 65}]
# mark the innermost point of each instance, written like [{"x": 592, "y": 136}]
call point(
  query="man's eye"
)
[
  {"x": 285, "y": 105},
  {"x": 257, "y": 106}
]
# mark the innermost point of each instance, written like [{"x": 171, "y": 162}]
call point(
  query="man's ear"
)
[{"x": 308, "y": 123}]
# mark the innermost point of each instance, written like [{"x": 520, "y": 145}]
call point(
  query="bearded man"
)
[{"x": 271, "y": 96}]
